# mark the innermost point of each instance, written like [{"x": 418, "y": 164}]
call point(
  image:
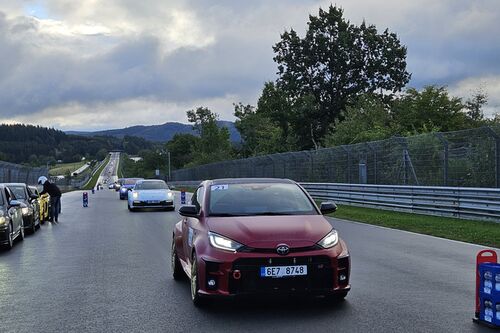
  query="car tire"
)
[
  {"x": 10, "y": 239},
  {"x": 21, "y": 234},
  {"x": 33, "y": 225},
  {"x": 177, "y": 271},
  {"x": 198, "y": 301}
]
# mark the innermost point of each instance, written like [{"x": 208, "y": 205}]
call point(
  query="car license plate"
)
[
  {"x": 153, "y": 201},
  {"x": 283, "y": 271}
]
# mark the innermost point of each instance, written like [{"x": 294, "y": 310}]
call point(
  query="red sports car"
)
[{"x": 258, "y": 236}]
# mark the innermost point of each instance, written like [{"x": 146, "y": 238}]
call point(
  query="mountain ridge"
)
[{"x": 158, "y": 133}]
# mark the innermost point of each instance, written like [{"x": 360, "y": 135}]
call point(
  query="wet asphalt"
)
[{"x": 104, "y": 269}]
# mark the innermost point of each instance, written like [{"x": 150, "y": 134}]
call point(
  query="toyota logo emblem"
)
[{"x": 282, "y": 249}]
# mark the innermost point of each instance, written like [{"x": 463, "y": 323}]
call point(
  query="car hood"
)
[{"x": 269, "y": 231}]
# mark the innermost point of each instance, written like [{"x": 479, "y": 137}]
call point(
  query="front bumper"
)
[
  {"x": 4, "y": 235},
  {"x": 149, "y": 204},
  {"x": 28, "y": 221},
  {"x": 328, "y": 272}
]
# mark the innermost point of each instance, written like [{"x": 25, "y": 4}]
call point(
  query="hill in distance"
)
[{"x": 159, "y": 133}]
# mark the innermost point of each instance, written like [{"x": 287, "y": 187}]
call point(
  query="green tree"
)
[
  {"x": 368, "y": 119},
  {"x": 182, "y": 149},
  {"x": 429, "y": 110},
  {"x": 101, "y": 154},
  {"x": 474, "y": 107},
  {"x": 335, "y": 62},
  {"x": 214, "y": 144},
  {"x": 260, "y": 135}
]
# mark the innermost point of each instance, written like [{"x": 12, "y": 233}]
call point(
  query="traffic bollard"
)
[
  {"x": 183, "y": 197},
  {"x": 85, "y": 199}
]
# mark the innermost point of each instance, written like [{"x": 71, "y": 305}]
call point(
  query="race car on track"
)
[
  {"x": 150, "y": 193},
  {"x": 127, "y": 185},
  {"x": 258, "y": 236}
]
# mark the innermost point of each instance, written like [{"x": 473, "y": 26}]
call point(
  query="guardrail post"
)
[
  {"x": 497, "y": 155},
  {"x": 445, "y": 157}
]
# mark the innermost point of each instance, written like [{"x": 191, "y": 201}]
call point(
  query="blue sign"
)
[{"x": 183, "y": 198}]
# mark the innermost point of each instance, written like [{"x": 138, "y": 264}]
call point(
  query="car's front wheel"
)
[
  {"x": 195, "y": 296},
  {"x": 10, "y": 238},
  {"x": 177, "y": 271}
]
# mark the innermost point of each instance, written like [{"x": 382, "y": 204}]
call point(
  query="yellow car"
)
[{"x": 43, "y": 204}]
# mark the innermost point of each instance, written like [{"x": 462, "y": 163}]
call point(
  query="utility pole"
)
[{"x": 169, "y": 170}]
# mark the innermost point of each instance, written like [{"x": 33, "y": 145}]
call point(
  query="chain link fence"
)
[
  {"x": 15, "y": 173},
  {"x": 468, "y": 158}
]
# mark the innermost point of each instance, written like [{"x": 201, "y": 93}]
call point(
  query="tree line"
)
[{"x": 36, "y": 145}]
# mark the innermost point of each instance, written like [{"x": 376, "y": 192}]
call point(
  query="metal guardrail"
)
[{"x": 459, "y": 202}]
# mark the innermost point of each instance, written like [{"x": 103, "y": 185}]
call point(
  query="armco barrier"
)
[{"x": 459, "y": 202}]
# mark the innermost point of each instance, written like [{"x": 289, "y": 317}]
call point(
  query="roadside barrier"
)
[{"x": 487, "y": 289}]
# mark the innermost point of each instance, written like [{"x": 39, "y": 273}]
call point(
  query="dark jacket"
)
[{"x": 51, "y": 189}]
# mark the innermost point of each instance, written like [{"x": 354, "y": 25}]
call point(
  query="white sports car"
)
[{"x": 150, "y": 193}]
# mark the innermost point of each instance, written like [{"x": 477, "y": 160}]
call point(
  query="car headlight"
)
[
  {"x": 170, "y": 194},
  {"x": 329, "y": 240},
  {"x": 25, "y": 210},
  {"x": 123, "y": 189},
  {"x": 223, "y": 243},
  {"x": 3, "y": 220},
  {"x": 135, "y": 195}
]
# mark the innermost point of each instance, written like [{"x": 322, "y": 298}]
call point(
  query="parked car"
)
[
  {"x": 258, "y": 236},
  {"x": 43, "y": 204},
  {"x": 31, "y": 217},
  {"x": 150, "y": 193},
  {"x": 11, "y": 218},
  {"x": 127, "y": 185}
]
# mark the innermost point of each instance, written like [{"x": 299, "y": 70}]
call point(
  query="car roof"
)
[
  {"x": 250, "y": 181},
  {"x": 15, "y": 184},
  {"x": 150, "y": 180}
]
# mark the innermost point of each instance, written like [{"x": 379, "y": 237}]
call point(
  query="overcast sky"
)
[{"x": 99, "y": 64}]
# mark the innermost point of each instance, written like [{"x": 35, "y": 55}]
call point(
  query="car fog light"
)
[
  {"x": 236, "y": 275},
  {"x": 211, "y": 283},
  {"x": 342, "y": 277}
]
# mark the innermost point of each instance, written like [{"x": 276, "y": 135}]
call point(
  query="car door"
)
[
  {"x": 15, "y": 213},
  {"x": 191, "y": 225}
]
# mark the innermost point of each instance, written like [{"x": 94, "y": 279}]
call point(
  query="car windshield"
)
[
  {"x": 259, "y": 199},
  {"x": 151, "y": 186},
  {"x": 129, "y": 181},
  {"x": 18, "y": 191}
]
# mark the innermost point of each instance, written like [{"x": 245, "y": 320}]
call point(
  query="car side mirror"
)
[
  {"x": 188, "y": 211},
  {"x": 33, "y": 196},
  {"x": 328, "y": 207},
  {"x": 17, "y": 203},
  {"x": 172, "y": 187}
]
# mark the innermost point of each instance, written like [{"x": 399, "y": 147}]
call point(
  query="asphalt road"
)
[
  {"x": 109, "y": 173},
  {"x": 104, "y": 269}
]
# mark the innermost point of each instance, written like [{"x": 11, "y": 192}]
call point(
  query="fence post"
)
[
  {"x": 348, "y": 169},
  {"x": 374, "y": 162},
  {"x": 497, "y": 155},
  {"x": 445, "y": 157}
]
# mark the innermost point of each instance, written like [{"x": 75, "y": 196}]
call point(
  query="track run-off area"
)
[{"x": 105, "y": 269}]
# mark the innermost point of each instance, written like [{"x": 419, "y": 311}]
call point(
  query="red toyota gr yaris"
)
[{"x": 258, "y": 236}]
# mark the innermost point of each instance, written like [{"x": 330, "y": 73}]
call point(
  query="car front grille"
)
[
  {"x": 248, "y": 249},
  {"x": 147, "y": 204},
  {"x": 319, "y": 275}
]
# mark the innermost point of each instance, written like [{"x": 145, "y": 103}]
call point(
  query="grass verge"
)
[
  {"x": 65, "y": 168},
  {"x": 93, "y": 181},
  {"x": 470, "y": 231}
]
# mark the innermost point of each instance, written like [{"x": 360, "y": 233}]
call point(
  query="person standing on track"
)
[{"x": 55, "y": 197}]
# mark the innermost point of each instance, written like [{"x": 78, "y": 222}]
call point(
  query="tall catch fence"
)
[
  {"x": 15, "y": 173},
  {"x": 467, "y": 158}
]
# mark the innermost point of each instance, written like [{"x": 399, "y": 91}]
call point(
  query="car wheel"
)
[
  {"x": 195, "y": 296},
  {"x": 177, "y": 271},
  {"x": 21, "y": 234},
  {"x": 10, "y": 239}
]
